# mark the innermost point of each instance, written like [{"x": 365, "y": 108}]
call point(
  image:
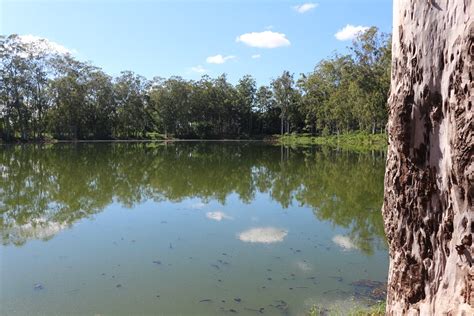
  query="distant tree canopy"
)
[{"x": 42, "y": 93}]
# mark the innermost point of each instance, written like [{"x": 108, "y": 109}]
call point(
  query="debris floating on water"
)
[
  {"x": 374, "y": 290},
  {"x": 260, "y": 310},
  {"x": 281, "y": 305},
  {"x": 338, "y": 278},
  {"x": 38, "y": 287},
  {"x": 205, "y": 300}
]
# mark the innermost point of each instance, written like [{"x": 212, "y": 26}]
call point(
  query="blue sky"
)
[{"x": 185, "y": 37}]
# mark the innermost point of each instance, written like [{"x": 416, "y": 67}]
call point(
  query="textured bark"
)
[{"x": 428, "y": 211}]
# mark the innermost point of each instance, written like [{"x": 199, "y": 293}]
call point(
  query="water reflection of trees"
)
[{"x": 46, "y": 188}]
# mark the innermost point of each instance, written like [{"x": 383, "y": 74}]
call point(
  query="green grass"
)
[
  {"x": 155, "y": 136},
  {"x": 351, "y": 141},
  {"x": 374, "y": 310}
]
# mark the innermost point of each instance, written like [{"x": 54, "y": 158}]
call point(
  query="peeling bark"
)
[{"x": 428, "y": 211}]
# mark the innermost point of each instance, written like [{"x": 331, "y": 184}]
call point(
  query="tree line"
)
[{"x": 45, "y": 94}]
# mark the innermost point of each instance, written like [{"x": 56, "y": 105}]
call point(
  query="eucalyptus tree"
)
[
  {"x": 131, "y": 101},
  {"x": 284, "y": 93},
  {"x": 428, "y": 203},
  {"x": 246, "y": 89},
  {"x": 101, "y": 111},
  {"x": 372, "y": 53},
  {"x": 349, "y": 92},
  {"x": 15, "y": 85},
  {"x": 268, "y": 112},
  {"x": 226, "y": 118},
  {"x": 69, "y": 90},
  {"x": 47, "y": 91},
  {"x": 170, "y": 105}
]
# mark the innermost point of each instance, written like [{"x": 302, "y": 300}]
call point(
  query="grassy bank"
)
[
  {"x": 149, "y": 136},
  {"x": 350, "y": 141},
  {"x": 374, "y": 310}
]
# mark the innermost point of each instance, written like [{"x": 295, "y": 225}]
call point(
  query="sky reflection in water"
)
[{"x": 187, "y": 228}]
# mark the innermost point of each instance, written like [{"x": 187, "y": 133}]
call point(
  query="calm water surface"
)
[{"x": 188, "y": 228}]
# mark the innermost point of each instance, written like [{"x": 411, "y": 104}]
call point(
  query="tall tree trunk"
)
[
  {"x": 281, "y": 125},
  {"x": 428, "y": 211}
]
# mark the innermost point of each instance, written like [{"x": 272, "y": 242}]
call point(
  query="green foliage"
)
[
  {"x": 349, "y": 92},
  {"x": 43, "y": 93},
  {"x": 357, "y": 141}
]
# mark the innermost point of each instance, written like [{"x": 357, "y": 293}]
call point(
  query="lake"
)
[{"x": 208, "y": 228}]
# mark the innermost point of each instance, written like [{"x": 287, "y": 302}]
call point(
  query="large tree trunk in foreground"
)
[{"x": 428, "y": 211}]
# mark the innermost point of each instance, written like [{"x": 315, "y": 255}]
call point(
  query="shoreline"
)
[
  {"x": 37, "y": 142},
  {"x": 356, "y": 141}
]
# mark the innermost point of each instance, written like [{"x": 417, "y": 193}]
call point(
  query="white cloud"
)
[
  {"x": 199, "y": 69},
  {"x": 350, "y": 31},
  {"x": 217, "y": 216},
  {"x": 256, "y": 56},
  {"x": 304, "y": 266},
  {"x": 303, "y": 8},
  {"x": 265, "y": 39},
  {"x": 263, "y": 235},
  {"x": 40, "y": 45},
  {"x": 219, "y": 59},
  {"x": 344, "y": 242}
]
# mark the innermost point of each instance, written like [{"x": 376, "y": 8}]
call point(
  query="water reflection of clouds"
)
[
  {"x": 264, "y": 235},
  {"x": 344, "y": 242},
  {"x": 217, "y": 216},
  {"x": 38, "y": 229},
  {"x": 304, "y": 266}
]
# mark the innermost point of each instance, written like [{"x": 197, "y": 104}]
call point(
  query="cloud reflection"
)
[
  {"x": 344, "y": 242},
  {"x": 264, "y": 235},
  {"x": 217, "y": 216},
  {"x": 37, "y": 229},
  {"x": 304, "y": 266}
]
